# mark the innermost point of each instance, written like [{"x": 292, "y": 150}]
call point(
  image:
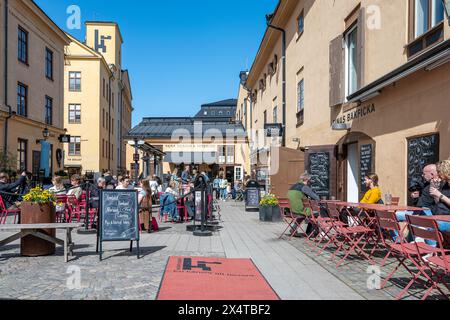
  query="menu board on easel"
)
[
  {"x": 319, "y": 168},
  {"x": 366, "y": 164}
]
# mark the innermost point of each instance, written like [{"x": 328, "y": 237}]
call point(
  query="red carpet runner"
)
[{"x": 198, "y": 278}]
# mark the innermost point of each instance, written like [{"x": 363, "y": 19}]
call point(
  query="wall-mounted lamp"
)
[{"x": 341, "y": 126}]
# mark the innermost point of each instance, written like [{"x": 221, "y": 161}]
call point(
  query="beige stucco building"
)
[
  {"x": 211, "y": 141},
  {"x": 31, "y": 87},
  {"x": 97, "y": 101},
  {"x": 367, "y": 89}
]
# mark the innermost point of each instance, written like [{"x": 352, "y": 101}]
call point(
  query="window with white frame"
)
[
  {"x": 75, "y": 146},
  {"x": 351, "y": 66},
  {"x": 74, "y": 113}
]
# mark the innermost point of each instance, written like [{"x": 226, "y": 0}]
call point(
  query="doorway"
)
[{"x": 352, "y": 173}]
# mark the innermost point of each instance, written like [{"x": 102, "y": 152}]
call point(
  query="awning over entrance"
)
[{"x": 191, "y": 157}]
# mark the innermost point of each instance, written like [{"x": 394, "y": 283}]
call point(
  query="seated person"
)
[
  {"x": 442, "y": 197},
  {"x": 169, "y": 206},
  {"x": 296, "y": 195},
  {"x": 7, "y": 187},
  {"x": 58, "y": 187},
  {"x": 76, "y": 187},
  {"x": 373, "y": 196},
  {"x": 172, "y": 189}
]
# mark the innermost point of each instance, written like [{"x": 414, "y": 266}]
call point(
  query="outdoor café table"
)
[
  {"x": 34, "y": 230},
  {"x": 441, "y": 218}
]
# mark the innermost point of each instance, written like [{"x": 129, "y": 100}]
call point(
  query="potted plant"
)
[
  {"x": 38, "y": 207},
  {"x": 269, "y": 209}
]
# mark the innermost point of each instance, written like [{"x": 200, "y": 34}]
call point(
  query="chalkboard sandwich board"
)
[
  {"x": 118, "y": 218},
  {"x": 319, "y": 168},
  {"x": 253, "y": 198}
]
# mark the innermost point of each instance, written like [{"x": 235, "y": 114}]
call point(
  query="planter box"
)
[
  {"x": 270, "y": 213},
  {"x": 34, "y": 213}
]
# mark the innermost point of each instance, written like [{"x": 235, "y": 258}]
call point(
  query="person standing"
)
[
  {"x": 216, "y": 187},
  {"x": 185, "y": 180},
  {"x": 145, "y": 206},
  {"x": 223, "y": 188}
]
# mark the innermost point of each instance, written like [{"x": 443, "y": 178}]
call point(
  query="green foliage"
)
[
  {"x": 269, "y": 200},
  {"x": 8, "y": 162}
]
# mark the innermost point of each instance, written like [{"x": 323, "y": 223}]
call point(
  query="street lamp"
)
[
  {"x": 136, "y": 143},
  {"x": 46, "y": 133},
  {"x": 446, "y": 4}
]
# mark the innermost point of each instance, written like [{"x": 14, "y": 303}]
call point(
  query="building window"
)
[
  {"x": 222, "y": 153},
  {"x": 22, "y": 99},
  {"x": 22, "y": 155},
  {"x": 75, "y": 146},
  {"x": 22, "y": 45},
  {"x": 301, "y": 23},
  {"x": 351, "y": 54},
  {"x": 230, "y": 154},
  {"x": 49, "y": 64},
  {"x": 104, "y": 86},
  {"x": 103, "y": 118},
  {"x": 74, "y": 113},
  {"x": 300, "y": 101},
  {"x": 48, "y": 110},
  {"x": 75, "y": 81},
  {"x": 275, "y": 115},
  {"x": 112, "y": 126},
  {"x": 425, "y": 24},
  {"x": 111, "y": 151}
]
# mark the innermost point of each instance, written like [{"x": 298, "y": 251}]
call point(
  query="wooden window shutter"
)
[
  {"x": 337, "y": 81},
  {"x": 360, "y": 49}
]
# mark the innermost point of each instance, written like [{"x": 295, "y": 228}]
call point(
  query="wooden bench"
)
[{"x": 34, "y": 230}]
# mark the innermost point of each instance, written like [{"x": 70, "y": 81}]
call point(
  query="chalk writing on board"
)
[
  {"x": 252, "y": 198},
  {"x": 366, "y": 157},
  {"x": 319, "y": 168},
  {"x": 119, "y": 212},
  {"x": 421, "y": 152}
]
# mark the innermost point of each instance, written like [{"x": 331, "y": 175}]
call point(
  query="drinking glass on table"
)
[{"x": 388, "y": 199}]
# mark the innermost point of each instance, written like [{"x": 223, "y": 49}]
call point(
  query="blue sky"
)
[{"x": 180, "y": 53}]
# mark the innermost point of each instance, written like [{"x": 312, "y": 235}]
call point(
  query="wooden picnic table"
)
[{"x": 35, "y": 230}]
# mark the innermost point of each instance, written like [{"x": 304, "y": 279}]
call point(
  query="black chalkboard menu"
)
[
  {"x": 118, "y": 217},
  {"x": 366, "y": 161},
  {"x": 421, "y": 152},
  {"x": 319, "y": 169},
  {"x": 253, "y": 198}
]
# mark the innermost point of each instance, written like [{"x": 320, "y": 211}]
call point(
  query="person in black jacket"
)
[{"x": 7, "y": 187}]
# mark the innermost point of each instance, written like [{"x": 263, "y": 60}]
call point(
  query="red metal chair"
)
[
  {"x": 293, "y": 221},
  {"x": 393, "y": 240},
  {"x": 61, "y": 215},
  {"x": 73, "y": 208},
  {"x": 182, "y": 207},
  {"x": 347, "y": 239},
  {"x": 5, "y": 212},
  {"x": 434, "y": 268}
]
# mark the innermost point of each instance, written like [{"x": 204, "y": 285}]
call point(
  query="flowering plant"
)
[
  {"x": 269, "y": 200},
  {"x": 38, "y": 195}
]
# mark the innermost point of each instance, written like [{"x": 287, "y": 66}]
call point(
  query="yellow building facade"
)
[
  {"x": 31, "y": 88},
  {"x": 97, "y": 101},
  {"x": 366, "y": 85}
]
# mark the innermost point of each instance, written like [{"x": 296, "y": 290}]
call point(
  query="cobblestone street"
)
[{"x": 290, "y": 267}]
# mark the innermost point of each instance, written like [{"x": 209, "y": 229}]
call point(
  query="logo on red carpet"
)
[{"x": 201, "y": 265}]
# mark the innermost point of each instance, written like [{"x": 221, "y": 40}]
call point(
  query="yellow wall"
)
[
  {"x": 384, "y": 50},
  {"x": 42, "y": 34}
]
